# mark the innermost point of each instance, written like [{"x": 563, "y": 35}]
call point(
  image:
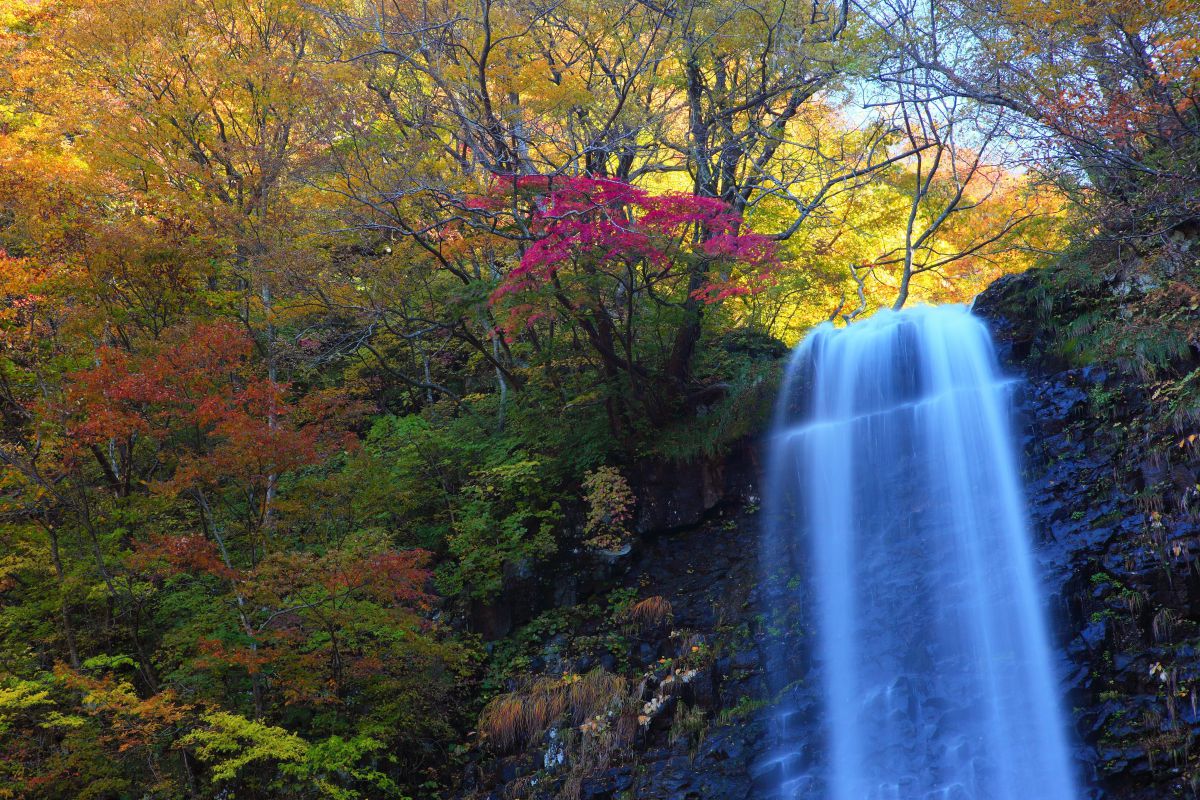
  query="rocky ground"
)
[{"x": 695, "y": 713}]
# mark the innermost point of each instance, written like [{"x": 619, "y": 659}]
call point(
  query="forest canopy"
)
[{"x": 321, "y": 319}]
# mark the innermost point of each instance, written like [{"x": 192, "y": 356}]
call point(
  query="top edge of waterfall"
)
[
  {"x": 876, "y": 363},
  {"x": 886, "y": 318}
]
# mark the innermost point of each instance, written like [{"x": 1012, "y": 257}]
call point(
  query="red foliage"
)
[
  {"x": 198, "y": 395},
  {"x": 132, "y": 721},
  {"x": 172, "y": 555},
  {"x": 400, "y": 576},
  {"x": 125, "y": 394},
  {"x": 389, "y": 577},
  {"x": 214, "y": 653},
  {"x": 610, "y": 227}
]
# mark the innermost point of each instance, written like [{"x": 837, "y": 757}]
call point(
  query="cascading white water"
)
[{"x": 894, "y": 483}]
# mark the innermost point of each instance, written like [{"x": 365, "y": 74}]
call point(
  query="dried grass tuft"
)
[
  {"x": 651, "y": 614},
  {"x": 594, "y": 693},
  {"x": 512, "y": 721}
]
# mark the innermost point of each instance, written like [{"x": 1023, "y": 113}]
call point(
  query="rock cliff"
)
[{"x": 1112, "y": 508}]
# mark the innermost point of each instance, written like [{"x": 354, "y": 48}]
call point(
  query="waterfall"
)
[{"x": 893, "y": 493}]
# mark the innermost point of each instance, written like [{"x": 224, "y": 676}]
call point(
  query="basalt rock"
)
[
  {"x": 679, "y": 494},
  {"x": 1118, "y": 545},
  {"x": 1119, "y": 549}
]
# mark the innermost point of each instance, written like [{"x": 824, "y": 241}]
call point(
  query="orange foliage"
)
[
  {"x": 199, "y": 397},
  {"x": 131, "y": 721}
]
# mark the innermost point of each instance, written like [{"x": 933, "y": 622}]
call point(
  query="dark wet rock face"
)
[
  {"x": 1118, "y": 541},
  {"x": 1118, "y": 544},
  {"x": 680, "y": 494}
]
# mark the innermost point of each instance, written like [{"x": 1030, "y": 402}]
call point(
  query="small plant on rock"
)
[
  {"x": 688, "y": 727},
  {"x": 610, "y": 508}
]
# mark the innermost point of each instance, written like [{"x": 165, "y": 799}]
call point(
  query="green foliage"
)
[
  {"x": 230, "y": 744},
  {"x": 455, "y": 486},
  {"x": 745, "y": 707},
  {"x": 249, "y": 754},
  {"x": 743, "y": 372},
  {"x": 610, "y": 504},
  {"x": 104, "y": 661},
  {"x": 688, "y": 727},
  {"x": 331, "y": 764},
  {"x": 1137, "y": 313},
  {"x": 20, "y": 697},
  {"x": 589, "y": 628},
  {"x": 500, "y": 523}
]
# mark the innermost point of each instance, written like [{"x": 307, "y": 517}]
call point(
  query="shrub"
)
[{"x": 610, "y": 503}]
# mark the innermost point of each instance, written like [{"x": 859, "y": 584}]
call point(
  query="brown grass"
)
[
  {"x": 651, "y": 614},
  {"x": 1163, "y": 625},
  {"x": 595, "y": 749},
  {"x": 520, "y": 788},
  {"x": 511, "y": 721},
  {"x": 593, "y": 693},
  {"x": 600, "y": 704}
]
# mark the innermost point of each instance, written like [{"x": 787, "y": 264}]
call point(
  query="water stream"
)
[{"x": 894, "y": 491}]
